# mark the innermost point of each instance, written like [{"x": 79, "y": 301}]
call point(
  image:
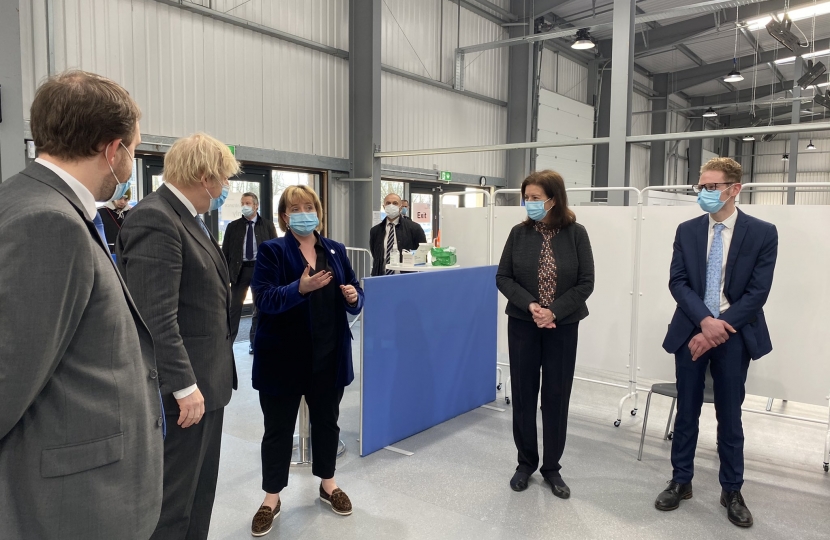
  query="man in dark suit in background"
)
[
  {"x": 394, "y": 232},
  {"x": 80, "y": 418},
  {"x": 240, "y": 245},
  {"x": 721, "y": 275},
  {"x": 179, "y": 279}
]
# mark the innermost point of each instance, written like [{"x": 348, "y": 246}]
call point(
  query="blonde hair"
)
[
  {"x": 294, "y": 195},
  {"x": 197, "y": 156},
  {"x": 728, "y": 166}
]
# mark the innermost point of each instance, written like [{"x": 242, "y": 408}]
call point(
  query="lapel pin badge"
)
[{"x": 332, "y": 252}]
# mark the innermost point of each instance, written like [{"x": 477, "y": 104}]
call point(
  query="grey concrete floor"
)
[{"x": 455, "y": 486}]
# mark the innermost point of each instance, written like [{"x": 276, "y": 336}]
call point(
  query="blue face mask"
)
[
  {"x": 404, "y": 211},
  {"x": 709, "y": 201},
  {"x": 536, "y": 210},
  {"x": 216, "y": 204},
  {"x": 120, "y": 189},
  {"x": 303, "y": 223}
]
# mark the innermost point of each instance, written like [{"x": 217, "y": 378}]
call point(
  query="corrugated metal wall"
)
[
  {"x": 191, "y": 73},
  {"x": 420, "y": 36},
  {"x": 416, "y": 115},
  {"x": 564, "y": 76},
  {"x": 813, "y": 166}
]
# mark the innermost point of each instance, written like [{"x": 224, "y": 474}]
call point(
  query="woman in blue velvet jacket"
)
[{"x": 304, "y": 286}]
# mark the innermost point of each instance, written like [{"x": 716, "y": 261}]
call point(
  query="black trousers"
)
[
  {"x": 553, "y": 351},
  {"x": 280, "y": 412},
  {"x": 729, "y": 364},
  {"x": 239, "y": 291},
  {"x": 191, "y": 468}
]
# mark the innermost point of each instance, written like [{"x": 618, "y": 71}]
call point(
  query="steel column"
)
[
  {"x": 696, "y": 147},
  {"x": 622, "y": 87},
  {"x": 364, "y": 114},
  {"x": 796, "y": 119},
  {"x": 12, "y": 148},
  {"x": 519, "y": 101},
  {"x": 659, "y": 124}
]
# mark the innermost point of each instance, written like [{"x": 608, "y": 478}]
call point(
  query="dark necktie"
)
[
  {"x": 390, "y": 243},
  {"x": 99, "y": 226},
  {"x": 249, "y": 242}
]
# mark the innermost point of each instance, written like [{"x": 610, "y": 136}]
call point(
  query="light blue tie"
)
[
  {"x": 713, "y": 271},
  {"x": 203, "y": 226}
]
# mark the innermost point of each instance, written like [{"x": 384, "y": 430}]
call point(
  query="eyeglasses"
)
[{"x": 711, "y": 187}]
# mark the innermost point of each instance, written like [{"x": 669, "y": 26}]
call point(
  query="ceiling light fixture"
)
[
  {"x": 734, "y": 75},
  {"x": 780, "y": 31},
  {"x": 811, "y": 146},
  {"x": 806, "y": 56},
  {"x": 710, "y": 113},
  {"x": 583, "y": 41},
  {"x": 749, "y": 138},
  {"x": 794, "y": 15}
]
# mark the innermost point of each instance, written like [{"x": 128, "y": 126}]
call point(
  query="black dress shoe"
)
[
  {"x": 559, "y": 487},
  {"x": 670, "y": 498},
  {"x": 251, "y": 348},
  {"x": 736, "y": 509},
  {"x": 519, "y": 481}
]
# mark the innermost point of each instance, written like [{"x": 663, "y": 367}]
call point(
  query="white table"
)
[{"x": 422, "y": 268}]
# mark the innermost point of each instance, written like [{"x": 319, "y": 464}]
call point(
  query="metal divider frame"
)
[{"x": 362, "y": 269}]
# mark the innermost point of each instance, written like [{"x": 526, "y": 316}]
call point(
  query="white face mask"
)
[
  {"x": 247, "y": 211},
  {"x": 392, "y": 211}
]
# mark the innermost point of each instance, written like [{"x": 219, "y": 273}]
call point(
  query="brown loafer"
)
[
  {"x": 264, "y": 520},
  {"x": 339, "y": 501}
]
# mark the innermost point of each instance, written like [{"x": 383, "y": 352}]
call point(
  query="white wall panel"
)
[
  {"x": 415, "y": 115},
  {"x": 323, "y": 21},
  {"x": 564, "y": 76},
  {"x": 190, "y": 73},
  {"x": 640, "y": 125}
]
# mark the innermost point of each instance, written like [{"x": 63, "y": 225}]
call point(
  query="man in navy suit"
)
[{"x": 721, "y": 275}]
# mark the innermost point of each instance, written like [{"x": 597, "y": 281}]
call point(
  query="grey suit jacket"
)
[
  {"x": 80, "y": 438},
  {"x": 179, "y": 280},
  {"x": 518, "y": 275}
]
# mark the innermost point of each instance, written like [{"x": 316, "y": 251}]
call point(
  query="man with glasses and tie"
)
[
  {"x": 391, "y": 234},
  {"x": 178, "y": 277},
  {"x": 721, "y": 275},
  {"x": 240, "y": 245}
]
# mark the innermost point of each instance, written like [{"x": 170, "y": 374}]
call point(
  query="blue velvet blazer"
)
[{"x": 280, "y": 355}]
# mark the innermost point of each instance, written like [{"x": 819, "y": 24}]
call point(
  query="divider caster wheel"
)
[
  {"x": 507, "y": 400},
  {"x": 617, "y": 423},
  {"x": 826, "y": 467},
  {"x": 671, "y": 435},
  {"x": 498, "y": 386},
  {"x": 633, "y": 412}
]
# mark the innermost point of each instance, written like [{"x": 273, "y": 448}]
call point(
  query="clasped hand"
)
[
  {"x": 543, "y": 317},
  {"x": 713, "y": 332}
]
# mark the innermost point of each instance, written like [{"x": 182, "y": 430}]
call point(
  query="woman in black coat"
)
[{"x": 547, "y": 273}]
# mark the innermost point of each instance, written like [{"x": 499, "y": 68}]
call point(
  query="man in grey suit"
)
[
  {"x": 80, "y": 418},
  {"x": 179, "y": 280}
]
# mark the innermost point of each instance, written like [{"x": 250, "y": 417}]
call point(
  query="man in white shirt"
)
[
  {"x": 81, "y": 422},
  {"x": 394, "y": 233},
  {"x": 179, "y": 279}
]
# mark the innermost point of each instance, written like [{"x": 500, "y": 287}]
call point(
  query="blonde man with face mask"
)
[{"x": 179, "y": 278}]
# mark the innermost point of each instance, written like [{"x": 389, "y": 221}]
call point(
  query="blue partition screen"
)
[{"x": 429, "y": 351}]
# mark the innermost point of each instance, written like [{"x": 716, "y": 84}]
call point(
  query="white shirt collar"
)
[
  {"x": 256, "y": 217},
  {"x": 84, "y": 195},
  {"x": 185, "y": 201},
  {"x": 392, "y": 221},
  {"x": 729, "y": 222}
]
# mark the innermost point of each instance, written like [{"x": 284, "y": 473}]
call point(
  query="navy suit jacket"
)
[
  {"x": 280, "y": 358},
  {"x": 748, "y": 279}
]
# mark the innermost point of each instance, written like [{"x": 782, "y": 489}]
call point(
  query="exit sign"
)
[
  {"x": 446, "y": 176},
  {"x": 232, "y": 148}
]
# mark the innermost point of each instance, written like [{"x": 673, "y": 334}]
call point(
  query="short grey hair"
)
[{"x": 253, "y": 196}]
